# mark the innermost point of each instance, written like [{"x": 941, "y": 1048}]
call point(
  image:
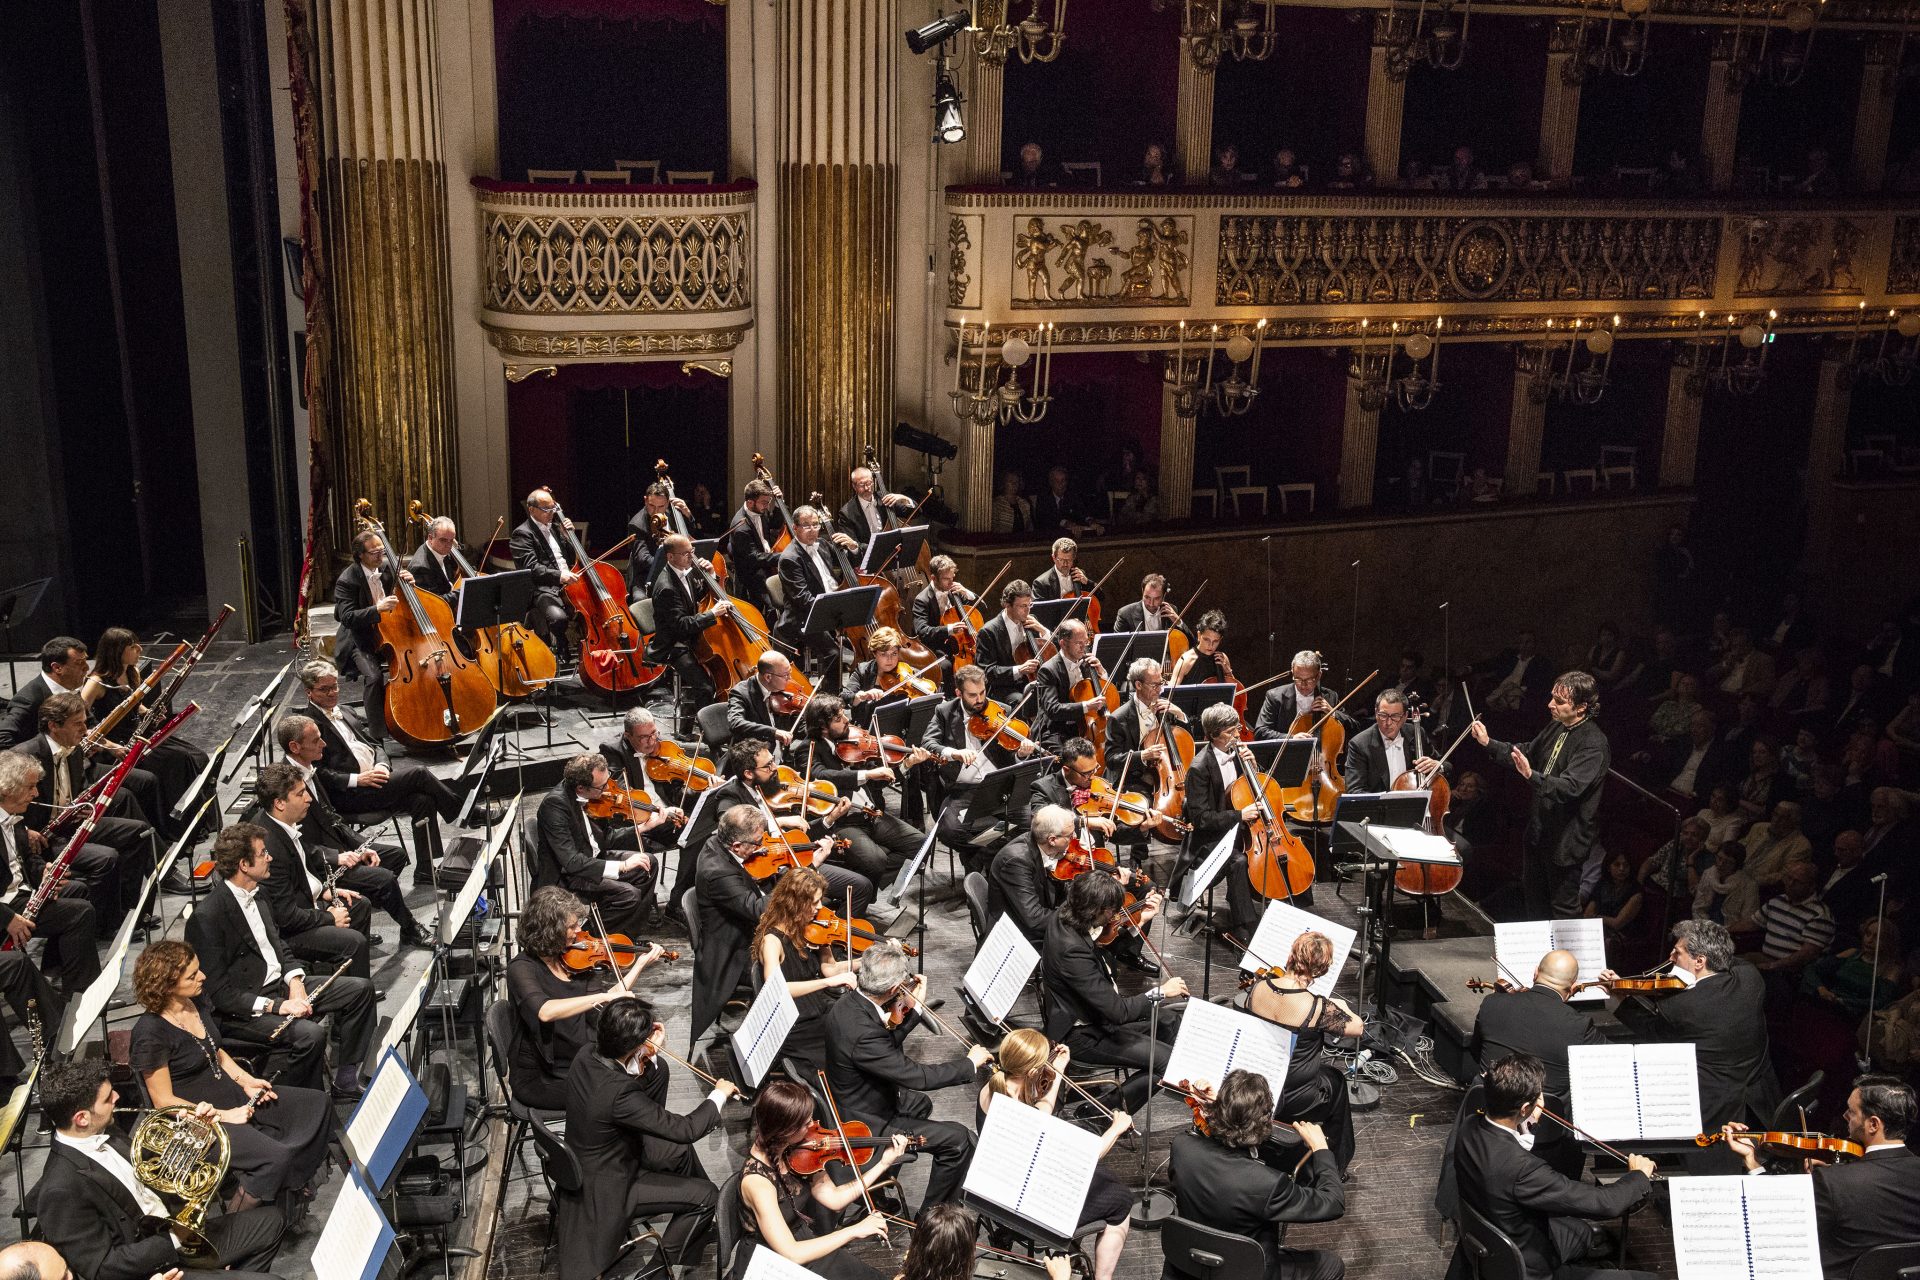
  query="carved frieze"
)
[
  {"x": 1785, "y": 255},
  {"x": 1102, "y": 261},
  {"x": 1903, "y": 263},
  {"x": 593, "y": 262}
]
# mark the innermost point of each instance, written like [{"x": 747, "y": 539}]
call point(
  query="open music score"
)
[
  {"x": 1634, "y": 1092},
  {"x": 1210, "y": 868},
  {"x": 1273, "y": 941},
  {"x": 1033, "y": 1165},
  {"x": 761, "y": 1033},
  {"x": 1000, "y": 969},
  {"x": 356, "y": 1238},
  {"x": 1743, "y": 1228},
  {"x": 1214, "y": 1040},
  {"x": 765, "y": 1264},
  {"x": 1519, "y": 944}
]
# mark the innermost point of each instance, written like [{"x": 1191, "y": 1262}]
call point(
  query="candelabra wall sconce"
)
[
  {"x": 1550, "y": 377},
  {"x": 1371, "y": 367},
  {"x": 1761, "y": 53},
  {"x": 1722, "y": 374},
  {"x": 1610, "y": 39},
  {"x": 1439, "y": 41},
  {"x": 996, "y": 392},
  {"x": 1895, "y": 367},
  {"x": 1196, "y": 386}
]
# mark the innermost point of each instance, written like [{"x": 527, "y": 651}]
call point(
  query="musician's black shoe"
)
[
  {"x": 1139, "y": 964},
  {"x": 416, "y": 937},
  {"x": 178, "y": 881}
]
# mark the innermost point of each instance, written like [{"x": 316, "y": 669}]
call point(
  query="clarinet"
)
[
  {"x": 62, "y": 867},
  {"x": 160, "y": 708}
]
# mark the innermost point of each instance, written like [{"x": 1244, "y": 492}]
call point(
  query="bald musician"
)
[{"x": 1538, "y": 1020}]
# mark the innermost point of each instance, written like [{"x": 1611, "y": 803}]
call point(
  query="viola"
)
[
  {"x": 993, "y": 723},
  {"x": 1128, "y": 917},
  {"x": 1315, "y": 800},
  {"x": 676, "y": 763},
  {"x": 1128, "y": 808},
  {"x": 1278, "y": 864},
  {"x": 1792, "y": 1143},
  {"x": 621, "y": 801},
  {"x": 821, "y": 1146},
  {"x": 780, "y": 850},
  {"x": 1080, "y": 859},
  {"x": 1248, "y": 980},
  {"x": 1643, "y": 985},
  {"x": 828, "y": 929},
  {"x": 820, "y": 796},
  {"x": 610, "y": 656},
  {"x": 1500, "y": 985},
  {"x": 587, "y": 951},
  {"x": 792, "y": 698}
]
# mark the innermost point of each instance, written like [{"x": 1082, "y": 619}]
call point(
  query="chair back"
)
[
  {"x": 1787, "y": 1114},
  {"x": 557, "y": 1160},
  {"x": 546, "y": 868},
  {"x": 641, "y": 607},
  {"x": 1207, "y": 1252},
  {"x": 975, "y": 887},
  {"x": 1888, "y": 1262},
  {"x": 693, "y": 922},
  {"x": 713, "y": 726},
  {"x": 501, "y": 1032},
  {"x": 1491, "y": 1252},
  {"x": 726, "y": 1223}
]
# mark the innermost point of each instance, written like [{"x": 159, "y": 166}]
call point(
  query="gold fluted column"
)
[
  {"x": 1873, "y": 116},
  {"x": 1178, "y": 436},
  {"x": 1560, "y": 104},
  {"x": 1359, "y": 451},
  {"x": 1193, "y": 127},
  {"x": 1827, "y": 454},
  {"x": 975, "y": 485},
  {"x": 1720, "y": 127},
  {"x": 1386, "y": 103},
  {"x": 1526, "y": 427},
  {"x": 382, "y": 195},
  {"x": 1680, "y": 441},
  {"x": 838, "y": 206},
  {"x": 984, "y": 82}
]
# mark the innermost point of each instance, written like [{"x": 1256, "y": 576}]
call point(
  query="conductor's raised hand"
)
[{"x": 1479, "y": 732}]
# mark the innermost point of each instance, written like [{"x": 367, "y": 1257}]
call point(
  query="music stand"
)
[
  {"x": 1286, "y": 760},
  {"x": 1195, "y": 698},
  {"x": 1051, "y": 613},
  {"x": 17, "y": 604},
  {"x": 707, "y": 548},
  {"x": 1116, "y": 649},
  {"x": 13, "y": 1136},
  {"x": 999, "y": 796},
  {"x": 907, "y": 540},
  {"x": 907, "y": 720},
  {"x": 1378, "y": 808},
  {"x": 833, "y": 612}
]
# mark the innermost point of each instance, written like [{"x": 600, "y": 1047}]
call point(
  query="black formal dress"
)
[
  {"x": 636, "y": 1158},
  {"x": 532, "y": 553},
  {"x": 804, "y": 1218},
  {"x": 573, "y": 851},
  {"x": 1252, "y": 1193},
  {"x": 875, "y": 1082},
  {"x": 1859, "y": 1204},
  {"x": 282, "y": 1148},
  {"x": 1724, "y": 1017},
  {"x": 1563, "y": 821},
  {"x": 358, "y": 641},
  {"x": 543, "y": 1052},
  {"x": 1535, "y": 1020},
  {"x": 1315, "y": 1089},
  {"x": 1085, "y": 1011},
  {"x": 801, "y": 963},
  {"x": 175, "y": 764},
  {"x": 102, "y": 1232},
  {"x": 1538, "y": 1209}
]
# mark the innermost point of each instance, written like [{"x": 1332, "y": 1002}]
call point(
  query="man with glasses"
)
[
  {"x": 540, "y": 548},
  {"x": 1388, "y": 747},
  {"x": 627, "y": 757},
  {"x": 806, "y": 571},
  {"x": 1216, "y": 766}
]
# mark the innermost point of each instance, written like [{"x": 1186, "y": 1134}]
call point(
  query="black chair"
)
[
  {"x": 562, "y": 1170},
  {"x": 726, "y": 1225},
  {"x": 978, "y": 913},
  {"x": 713, "y": 726},
  {"x": 1888, "y": 1262},
  {"x": 501, "y": 1034},
  {"x": 1491, "y": 1252},
  {"x": 1786, "y": 1116},
  {"x": 1207, "y": 1252}
]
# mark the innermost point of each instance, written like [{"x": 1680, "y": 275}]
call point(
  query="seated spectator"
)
[
  {"x": 1155, "y": 170},
  {"x": 1803, "y": 693},
  {"x": 1766, "y": 783},
  {"x": 1850, "y": 979},
  {"x": 1695, "y": 767},
  {"x": 1416, "y": 487},
  {"x": 1744, "y": 668},
  {"x": 1862, "y": 698},
  {"x": 1727, "y": 894},
  {"x": 1680, "y": 176},
  {"x": 1033, "y": 173},
  {"x": 1520, "y": 178},
  {"x": 1058, "y": 511},
  {"x": 1797, "y": 925},
  {"x": 1607, "y": 657},
  {"x": 1820, "y": 179},
  {"x": 1664, "y": 667},
  {"x": 1464, "y": 174},
  {"x": 1891, "y": 841},
  {"x": 1688, "y": 852},
  {"x": 1480, "y": 487},
  {"x": 1800, "y": 758},
  {"x": 1832, "y": 806},
  {"x": 1119, "y": 475},
  {"x": 1414, "y": 176},
  {"x": 1287, "y": 173},
  {"x": 1139, "y": 506},
  {"x": 1903, "y": 731},
  {"x": 1616, "y": 899},
  {"x": 1012, "y": 512},
  {"x": 1350, "y": 173},
  {"x": 1849, "y": 889},
  {"x": 1226, "y": 171},
  {"x": 1776, "y": 844},
  {"x": 1722, "y": 815},
  {"x": 1674, "y": 709},
  {"x": 1790, "y": 631}
]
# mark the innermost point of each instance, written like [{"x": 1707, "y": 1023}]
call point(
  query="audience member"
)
[
  {"x": 1350, "y": 173},
  {"x": 1774, "y": 845},
  {"x": 1849, "y": 979},
  {"x": 1727, "y": 894},
  {"x": 1033, "y": 173},
  {"x": 1140, "y": 506},
  {"x": 1012, "y": 512},
  {"x": 1464, "y": 174},
  {"x": 1287, "y": 173},
  {"x": 1226, "y": 172},
  {"x": 1849, "y": 890},
  {"x": 1820, "y": 179},
  {"x": 1796, "y": 924},
  {"x": 1155, "y": 169},
  {"x": 1723, "y": 817}
]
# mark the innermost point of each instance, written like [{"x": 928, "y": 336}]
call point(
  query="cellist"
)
[
  {"x": 1152, "y": 611},
  {"x": 1304, "y": 694},
  {"x": 942, "y": 593},
  {"x": 1060, "y": 716},
  {"x": 1205, "y": 660},
  {"x": 678, "y": 618},
  {"x": 364, "y": 590},
  {"x": 806, "y": 572},
  {"x": 536, "y": 549},
  {"x": 1132, "y": 724},
  {"x": 1212, "y": 774},
  {"x": 1065, "y": 577},
  {"x": 1388, "y": 748},
  {"x": 751, "y": 558}
]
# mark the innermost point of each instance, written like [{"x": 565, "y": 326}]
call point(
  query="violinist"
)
[
  {"x": 874, "y": 679},
  {"x": 1009, "y": 645},
  {"x": 1031, "y": 1070},
  {"x": 1064, "y": 577},
  {"x": 604, "y": 866},
  {"x": 550, "y": 1001},
  {"x": 1232, "y": 1178},
  {"x": 678, "y": 617},
  {"x": 779, "y": 1207},
  {"x": 1204, "y": 660},
  {"x": 750, "y": 773},
  {"x": 754, "y": 706},
  {"x": 942, "y": 593},
  {"x": 432, "y": 564},
  {"x": 1216, "y": 767},
  {"x": 1060, "y": 716},
  {"x": 944, "y": 1247},
  {"x": 627, "y": 757},
  {"x": 876, "y": 1082},
  {"x": 814, "y": 976},
  {"x": 751, "y": 559},
  {"x": 1875, "y": 1200},
  {"x": 1315, "y": 1089},
  {"x": 867, "y": 512},
  {"x": 1084, "y": 1008},
  {"x": 1070, "y": 788},
  {"x": 537, "y": 550},
  {"x": 806, "y": 572},
  {"x": 1020, "y": 880},
  {"x": 1152, "y": 611},
  {"x": 644, "y": 561},
  {"x": 1305, "y": 695},
  {"x": 364, "y": 590},
  {"x": 879, "y": 842},
  {"x": 964, "y": 758},
  {"x": 636, "y": 1157},
  {"x": 1537, "y": 1020},
  {"x": 1565, "y": 766}
]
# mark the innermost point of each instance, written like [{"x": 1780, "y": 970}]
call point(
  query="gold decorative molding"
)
[
  {"x": 961, "y": 292},
  {"x": 626, "y": 345},
  {"x": 517, "y": 373},
  {"x": 616, "y": 261},
  {"x": 1782, "y": 255},
  {"x": 1151, "y": 263},
  {"x": 1874, "y": 15},
  {"x": 1903, "y": 259},
  {"x": 718, "y": 368}
]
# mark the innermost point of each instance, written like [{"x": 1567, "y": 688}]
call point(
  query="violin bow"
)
[
  {"x": 1064, "y": 1077},
  {"x": 976, "y": 598},
  {"x": 846, "y": 1147},
  {"x": 1578, "y": 1132}
]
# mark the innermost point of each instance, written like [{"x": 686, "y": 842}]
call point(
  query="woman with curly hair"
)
[
  {"x": 1314, "y": 1090},
  {"x": 548, "y": 998},
  {"x": 278, "y": 1135},
  {"x": 780, "y": 1207},
  {"x": 1031, "y": 1070},
  {"x": 812, "y": 974}
]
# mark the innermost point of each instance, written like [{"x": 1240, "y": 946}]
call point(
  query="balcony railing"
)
[
  {"x": 600, "y": 273},
  {"x": 1121, "y": 269}
]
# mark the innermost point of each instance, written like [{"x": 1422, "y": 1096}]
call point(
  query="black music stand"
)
[
  {"x": 907, "y": 540},
  {"x": 1195, "y": 698},
  {"x": 835, "y": 611},
  {"x": 17, "y": 604},
  {"x": 499, "y": 599},
  {"x": 1051, "y": 613},
  {"x": 1116, "y": 649},
  {"x": 908, "y": 720},
  {"x": 1000, "y": 795}
]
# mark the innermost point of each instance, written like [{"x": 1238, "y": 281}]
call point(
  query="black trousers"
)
[
  {"x": 348, "y": 1004},
  {"x": 949, "y": 1145},
  {"x": 68, "y": 928},
  {"x": 673, "y": 1181},
  {"x": 1128, "y": 1046},
  {"x": 626, "y": 900},
  {"x": 175, "y": 763},
  {"x": 329, "y": 944},
  {"x": 381, "y": 886},
  {"x": 20, "y": 982},
  {"x": 1319, "y": 1094},
  {"x": 365, "y": 658},
  {"x": 134, "y": 850},
  {"x": 877, "y": 847},
  {"x": 696, "y": 688},
  {"x": 413, "y": 789},
  {"x": 842, "y": 881},
  {"x": 247, "y": 1240},
  {"x": 548, "y": 615}
]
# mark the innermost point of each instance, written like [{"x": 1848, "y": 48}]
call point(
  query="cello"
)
[
  {"x": 517, "y": 662},
  {"x": 1177, "y": 642},
  {"x": 1427, "y": 877},
  {"x": 886, "y": 610},
  {"x": 1170, "y": 781},
  {"x": 435, "y": 693},
  {"x": 785, "y": 537},
  {"x": 1314, "y": 800},
  {"x": 610, "y": 657},
  {"x": 729, "y": 650},
  {"x": 717, "y": 567},
  {"x": 963, "y": 621},
  {"x": 1278, "y": 864}
]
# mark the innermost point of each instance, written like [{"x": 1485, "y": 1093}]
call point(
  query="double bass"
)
[
  {"x": 718, "y": 569},
  {"x": 517, "y": 662},
  {"x": 888, "y": 520},
  {"x": 729, "y": 650},
  {"x": 435, "y": 693},
  {"x": 611, "y": 655}
]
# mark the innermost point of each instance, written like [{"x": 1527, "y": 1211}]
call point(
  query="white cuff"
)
[
  {"x": 610, "y": 870},
  {"x": 261, "y": 1005},
  {"x": 718, "y": 1097}
]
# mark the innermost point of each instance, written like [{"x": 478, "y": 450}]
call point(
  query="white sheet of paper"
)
[
  {"x": 693, "y": 820},
  {"x": 1739, "y": 1228},
  {"x": 376, "y": 1110},
  {"x": 1214, "y": 1040},
  {"x": 1272, "y": 942},
  {"x": 911, "y": 868},
  {"x": 1518, "y": 946},
  {"x": 351, "y": 1234},
  {"x": 761, "y": 1033},
  {"x": 1634, "y": 1092},
  {"x": 1000, "y": 968},
  {"x": 1410, "y": 844},
  {"x": 765, "y": 1264},
  {"x": 1204, "y": 874},
  {"x": 404, "y": 1013},
  {"x": 1033, "y": 1165}
]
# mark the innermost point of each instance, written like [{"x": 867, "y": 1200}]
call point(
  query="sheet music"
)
[
  {"x": 1634, "y": 1092},
  {"x": 461, "y": 908},
  {"x": 693, "y": 819},
  {"x": 401, "y": 1021},
  {"x": 911, "y": 867},
  {"x": 1519, "y": 945},
  {"x": 84, "y": 1012},
  {"x": 376, "y": 1109},
  {"x": 1739, "y": 1228},
  {"x": 1203, "y": 875},
  {"x": 1409, "y": 844},
  {"x": 1214, "y": 1040},
  {"x": 761, "y": 1033},
  {"x": 1000, "y": 969},
  {"x": 1272, "y": 942},
  {"x": 765, "y": 1264},
  {"x": 1033, "y": 1165},
  {"x": 355, "y": 1239}
]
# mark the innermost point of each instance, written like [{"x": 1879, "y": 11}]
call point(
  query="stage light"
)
[{"x": 937, "y": 32}]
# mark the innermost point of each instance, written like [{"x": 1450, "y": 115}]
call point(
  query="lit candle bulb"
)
[{"x": 960, "y": 356}]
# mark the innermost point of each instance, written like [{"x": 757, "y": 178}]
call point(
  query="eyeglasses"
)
[{"x": 332, "y": 686}]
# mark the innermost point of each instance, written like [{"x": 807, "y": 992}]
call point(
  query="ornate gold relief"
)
[
  {"x": 1150, "y": 263},
  {"x": 1784, "y": 255},
  {"x": 718, "y": 368},
  {"x": 961, "y": 235},
  {"x": 1903, "y": 263},
  {"x": 616, "y": 261},
  {"x": 613, "y": 346}
]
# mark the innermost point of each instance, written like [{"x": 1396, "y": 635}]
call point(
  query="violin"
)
[
  {"x": 1791, "y": 1144},
  {"x": 780, "y": 850},
  {"x": 621, "y": 801},
  {"x": 1643, "y": 985},
  {"x": 863, "y": 745},
  {"x": 1080, "y": 859},
  {"x": 820, "y": 796},
  {"x": 828, "y": 929},
  {"x": 587, "y": 951},
  {"x": 1500, "y": 985},
  {"x": 676, "y": 763},
  {"x": 1128, "y": 917},
  {"x": 993, "y": 723},
  {"x": 913, "y": 679},
  {"x": 821, "y": 1146},
  {"x": 1278, "y": 864},
  {"x": 1315, "y": 800},
  {"x": 1128, "y": 808},
  {"x": 791, "y": 699}
]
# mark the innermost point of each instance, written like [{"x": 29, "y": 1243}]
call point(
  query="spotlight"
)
[
  {"x": 948, "y": 124},
  {"x": 937, "y": 32},
  {"x": 923, "y": 441}
]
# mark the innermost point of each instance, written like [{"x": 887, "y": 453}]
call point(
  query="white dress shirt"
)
[
  {"x": 96, "y": 1148},
  {"x": 362, "y": 750},
  {"x": 871, "y": 509},
  {"x": 979, "y": 767},
  {"x": 300, "y": 846},
  {"x": 819, "y": 559},
  {"x": 374, "y": 584},
  {"x": 249, "y": 900},
  {"x": 553, "y": 543},
  {"x": 1229, "y": 765},
  {"x": 10, "y": 837},
  {"x": 608, "y": 870},
  {"x": 1396, "y": 748}
]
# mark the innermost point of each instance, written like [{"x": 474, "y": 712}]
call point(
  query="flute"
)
[{"x": 292, "y": 1018}]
